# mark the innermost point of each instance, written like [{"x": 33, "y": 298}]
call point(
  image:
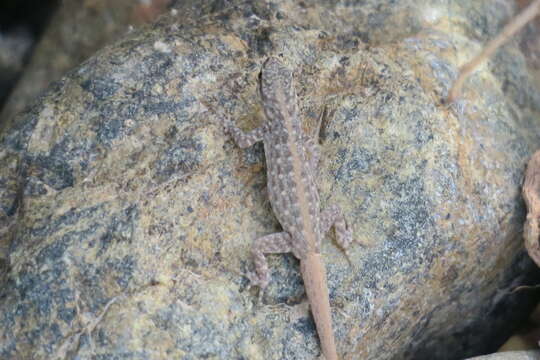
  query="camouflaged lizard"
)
[{"x": 292, "y": 159}]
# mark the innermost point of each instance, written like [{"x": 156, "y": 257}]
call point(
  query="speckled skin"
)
[{"x": 291, "y": 159}]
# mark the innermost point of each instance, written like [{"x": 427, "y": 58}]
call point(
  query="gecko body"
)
[{"x": 291, "y": 160}]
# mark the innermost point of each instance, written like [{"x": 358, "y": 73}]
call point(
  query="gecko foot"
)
[{"x": 256, "y": 280}]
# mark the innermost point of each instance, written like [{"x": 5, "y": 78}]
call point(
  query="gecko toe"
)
[{"x": 256, "y": 280}]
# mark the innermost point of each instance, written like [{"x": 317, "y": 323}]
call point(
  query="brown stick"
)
[{"x": 518, "y": 22}]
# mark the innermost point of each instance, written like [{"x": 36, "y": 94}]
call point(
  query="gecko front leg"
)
[
  {"x": 314, "y": 153},
  {"x": 245, "y": 139},
  {"x": 311, "y": 144}
]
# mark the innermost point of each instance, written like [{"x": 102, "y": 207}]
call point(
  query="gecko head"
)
[
  {"x": 274, "y": 77},
  {"x": 276, "y": 88}
]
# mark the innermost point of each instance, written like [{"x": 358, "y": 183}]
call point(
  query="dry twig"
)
[{"x": 518, "y": 22}]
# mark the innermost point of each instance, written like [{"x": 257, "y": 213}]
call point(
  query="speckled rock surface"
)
[{"x": 132, "y": 215}]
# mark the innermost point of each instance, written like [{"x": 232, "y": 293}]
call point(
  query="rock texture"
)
[
  {"x": 511, "y": 355},
  {"x": 131, "y": 214}
]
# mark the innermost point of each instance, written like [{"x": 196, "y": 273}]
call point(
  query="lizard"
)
[{"x": 292, "y": 158}]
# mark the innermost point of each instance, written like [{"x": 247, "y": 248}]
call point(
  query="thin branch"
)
[{"x": 508, "y": 31}]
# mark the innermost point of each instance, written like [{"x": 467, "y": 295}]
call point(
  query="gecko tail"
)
[{"x": 314, "y": 276}]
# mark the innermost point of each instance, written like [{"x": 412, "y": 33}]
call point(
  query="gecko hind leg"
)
[
  {"x": 276, "y": 243},
  {"x": 332, "y": 215}
]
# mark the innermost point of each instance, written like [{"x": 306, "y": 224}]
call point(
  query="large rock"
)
[{"x": 132, "y": 214}]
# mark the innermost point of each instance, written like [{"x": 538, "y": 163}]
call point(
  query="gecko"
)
[{"x": 292, "y": 159}]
